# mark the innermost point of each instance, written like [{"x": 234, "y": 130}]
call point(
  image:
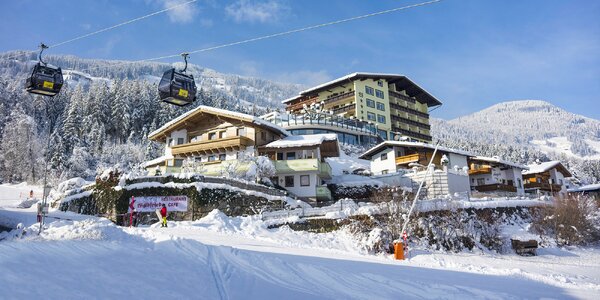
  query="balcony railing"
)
[
  {"x": 408, "y": 159},
  {"x": 543, "y": 186},
  {"x": 400, "y": 96},
  {"x": 409, "y": 110},
  {"x": 339, "y": 97},
  {"x": 411, "y": 122},
  {"x": 300, "y": 105},
  {"x": 323, "y": 193},
  {"x": 409, "y": 133},
  {"x": 303, "y": 165},
  {"x": 212, "y": 146},
  {"x": 484, "y": 170},
  {"x": 326, "y": 120},
  {"x": 344, "y": 109},
  {"x": 495, "y": 187}
]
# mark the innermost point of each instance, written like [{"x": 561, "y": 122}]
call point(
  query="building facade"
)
[
  {"x": 300, "y": 163},
  {"x": 349, "y": 131},
  {"x": 397, "y": 106},
  {"x": 495, "y": 175},
  {"x": 547, "y": 178},
  {"x": 447, "y": 175},
  {"x": 221, "y": 142}
]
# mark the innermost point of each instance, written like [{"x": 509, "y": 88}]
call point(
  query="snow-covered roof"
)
[
  {"x": 221, "y": 112},
  {"x": 302, "y": 140},
  {"x": 387, "y": 144},
  {"x": 157, "y": 160},
  {"x": 500, "y": 161},
  {"x": 586, "y": 188},
  {"x": 545, "y": 166},
  {"x": 424, "y": 95}
]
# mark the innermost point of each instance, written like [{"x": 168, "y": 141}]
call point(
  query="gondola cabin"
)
[
  {"x": 177, "y": 88},
  {"x": 44, "y": 80}
]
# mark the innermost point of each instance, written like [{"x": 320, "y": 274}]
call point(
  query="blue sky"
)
[{"x": 469, "y": 53}]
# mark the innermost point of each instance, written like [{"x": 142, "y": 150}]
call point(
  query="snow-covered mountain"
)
[
  {"x": 530, "y": 124},
  {"x": 231, "y": 88}
]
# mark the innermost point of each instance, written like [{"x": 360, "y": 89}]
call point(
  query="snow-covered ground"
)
[{"x": 219, "y": 257}]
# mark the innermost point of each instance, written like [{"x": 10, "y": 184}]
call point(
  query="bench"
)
[{"x": 524, "y": 247}]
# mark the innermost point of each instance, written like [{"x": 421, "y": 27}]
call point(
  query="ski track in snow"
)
[{"x": 237, "y": 258}]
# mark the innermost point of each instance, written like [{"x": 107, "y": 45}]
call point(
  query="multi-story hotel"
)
[{"x": 393, "y": 103}]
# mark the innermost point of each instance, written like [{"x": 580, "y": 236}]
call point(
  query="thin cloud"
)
[
  {"x": 256, "y": 11},
  {"x": 180, "y": 14}
]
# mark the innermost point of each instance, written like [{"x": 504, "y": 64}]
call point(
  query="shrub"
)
[{"x": 570, "y": 221}]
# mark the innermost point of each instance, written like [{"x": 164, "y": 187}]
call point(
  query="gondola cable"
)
[
  {"x": 103, "y": 29},
  {"x": 274, "y": 35}
]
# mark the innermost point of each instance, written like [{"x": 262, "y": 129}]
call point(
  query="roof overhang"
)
[
  {"x": 181, "y": 121},
  {"x": 402, "y": 83}
]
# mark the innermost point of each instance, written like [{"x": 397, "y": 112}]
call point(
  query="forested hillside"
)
[
  {"x": 515, "y": 130},
  {"x": 104, "y": 121}
]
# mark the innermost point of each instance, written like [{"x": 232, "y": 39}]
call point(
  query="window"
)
[
  {"x": 560, "y": 181},
  {"x": 480, "y": 181},
  {"x": 178, "y": 162},
  {"x": 169, "y": 141},
  {"x": 290, "y": 155},
  {"x": 263, "y": 135},
  {"x": 211, "y": 158},
  {"x": 241, "y": 131},
  {"x": 382, "y": 134},
  {"x": 222, "y": 134},
  {"x": 378, "y": 94},
  {"x": 383, "y": 156},
  {"x": 381, "y": 119},
  {"x": 519, "y": 184},
  {"x": 280, "y": 156},
  {"x": 380, "y": 83},
  {"x": 384, "y": 172},
  {"x": 370, "y": 103},
  {"x": 370, "y": 116},
  {"x": 369, "y": 90},
  {"x": 212, "y": 136},
  {"x": 179, "y": 141},
  {"x": 380, "y": 106},
  {"x": 222, "y": 156},
  {"x": 198, "y": 159},
  {"x": 289, "y": 181},
  {"x": 304, "y": 180}
]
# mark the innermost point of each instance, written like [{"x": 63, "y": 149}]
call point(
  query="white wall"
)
[
  {"x": 301, "y": 191},
  {"x": 389, "y": 164},
  {"x": 457, "y": 160}
]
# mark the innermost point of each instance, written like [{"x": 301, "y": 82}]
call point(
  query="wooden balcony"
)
[
  {"x": 299, "y": 105},
  {"x": 212, "y": 146},
  {"x": 495, "y": 187},
  {"x": 484, "y": 170},
  {"x": 347, "y": 108},
  {"x": 402, "y": 160},
  {"x": 337, "y": 100},
  {"x": 543, "y": 186}
]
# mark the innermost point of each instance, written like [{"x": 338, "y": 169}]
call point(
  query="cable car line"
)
[
  {"x": 121, "y": 24},
  {"x": 276, "y": 34},
  {"x": 105, "y": 29}
]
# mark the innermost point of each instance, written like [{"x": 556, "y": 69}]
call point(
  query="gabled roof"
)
[
  {"x": 302, "y": 140},
  {"x": 219, "y": 112},
  {"x": 386, "y": 144},
  {"x": 402, "y": 82},
  {"x": 500, "y": 161},
  {"x": 546, "y": 166}
]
